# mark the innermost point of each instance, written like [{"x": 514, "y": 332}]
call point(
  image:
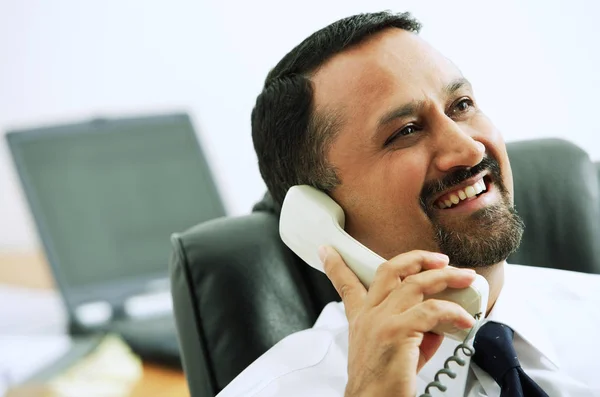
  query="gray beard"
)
[{"x": 496, "y": 233}]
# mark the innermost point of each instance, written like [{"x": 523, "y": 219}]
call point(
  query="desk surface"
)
[{"x": 31, "y": 270}]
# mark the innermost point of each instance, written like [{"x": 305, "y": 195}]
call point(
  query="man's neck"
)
[{"x": 495, "y": 278}]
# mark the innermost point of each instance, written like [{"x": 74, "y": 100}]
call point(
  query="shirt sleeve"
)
[{"x": 312, "y": 362}]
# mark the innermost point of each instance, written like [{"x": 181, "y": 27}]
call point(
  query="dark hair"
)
[{"x": 290, "y": 137}]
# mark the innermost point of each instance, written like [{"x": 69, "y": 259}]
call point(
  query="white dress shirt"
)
[{"x": 555, "y": 315}]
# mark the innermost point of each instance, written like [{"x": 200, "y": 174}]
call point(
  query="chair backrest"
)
[
  {"x": 557, "y": 195},
  {"x": 237, "y": 289}
]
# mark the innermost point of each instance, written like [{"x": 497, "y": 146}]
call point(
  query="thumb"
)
[{"x": 347, "y": 285}]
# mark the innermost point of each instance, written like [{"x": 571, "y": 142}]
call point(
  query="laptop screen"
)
[{"x": 106, "y": 195}]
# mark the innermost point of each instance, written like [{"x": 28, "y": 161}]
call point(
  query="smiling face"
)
[{"x": 420, "y": 165}]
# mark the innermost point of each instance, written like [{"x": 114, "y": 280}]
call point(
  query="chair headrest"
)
[{"x": 557, "y": 195}]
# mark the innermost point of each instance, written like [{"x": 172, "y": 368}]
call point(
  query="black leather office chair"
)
[{"x": 238, "y": 290}]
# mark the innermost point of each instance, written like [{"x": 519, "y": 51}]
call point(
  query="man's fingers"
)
[
  {"x": 344, "y": 280},
  {"x": 389, "y": 274},
  {"x": 434, "y": 281},
  {"x": 428, "y": 314},
  {"x": 413, "y": 289}
]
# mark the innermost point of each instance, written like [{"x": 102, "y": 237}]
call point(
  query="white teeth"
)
[
  {"x": 482, "y": 183},
  {"x": 479, "y": 187},
  {"x": 470, "y": 191}
]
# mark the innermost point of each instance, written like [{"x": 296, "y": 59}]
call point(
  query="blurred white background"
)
[{"x": 534, "y": 66}]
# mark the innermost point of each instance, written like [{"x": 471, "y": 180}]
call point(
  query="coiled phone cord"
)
[{"x": 467, "y": 350}]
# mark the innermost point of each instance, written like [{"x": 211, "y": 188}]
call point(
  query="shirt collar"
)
[{"x": 511, "y": 309}]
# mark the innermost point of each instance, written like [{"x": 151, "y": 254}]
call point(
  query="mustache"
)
[{"x": 433, "y": 188}]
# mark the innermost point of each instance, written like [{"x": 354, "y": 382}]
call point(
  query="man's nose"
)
[{"x": 456, "y": 147}]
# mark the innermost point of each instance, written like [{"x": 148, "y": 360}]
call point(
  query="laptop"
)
[{"x": 105, "y": 195}]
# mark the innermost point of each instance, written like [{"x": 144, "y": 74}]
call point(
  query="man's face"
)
[{"x": 413, "y": 140}]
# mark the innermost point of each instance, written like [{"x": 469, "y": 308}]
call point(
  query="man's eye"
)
[
  {"x": 462, "y": 106},
  {"x": 408, "y": 130}
]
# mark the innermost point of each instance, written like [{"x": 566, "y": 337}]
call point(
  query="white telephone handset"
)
[{"x": 310, "y": 218}]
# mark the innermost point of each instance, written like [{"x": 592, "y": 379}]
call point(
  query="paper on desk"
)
[
  {"x": 110, "y": 371},
  {"x": 22, "y": 356},
  {"x": 27, "y": 311}
]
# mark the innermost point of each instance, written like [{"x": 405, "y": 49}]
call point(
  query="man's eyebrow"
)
[
  {"x": 456, "y": 85},
  {"x": 412, "y": 108},
  {"x": 402, "y": 111}
]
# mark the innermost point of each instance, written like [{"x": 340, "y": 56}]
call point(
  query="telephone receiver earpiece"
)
[{"x": 310, "y": 218}]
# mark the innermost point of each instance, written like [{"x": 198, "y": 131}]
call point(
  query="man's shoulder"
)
[
  {"x": 565, "y": 283},
  {"x": 298, "y": 358},
  {"x": 552, "y": 273}
]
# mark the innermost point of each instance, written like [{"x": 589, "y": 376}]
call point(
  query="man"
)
[{"x": 370, "y": 113}]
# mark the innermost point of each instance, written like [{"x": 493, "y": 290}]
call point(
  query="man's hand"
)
[{"x": 389, "y": 338}]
